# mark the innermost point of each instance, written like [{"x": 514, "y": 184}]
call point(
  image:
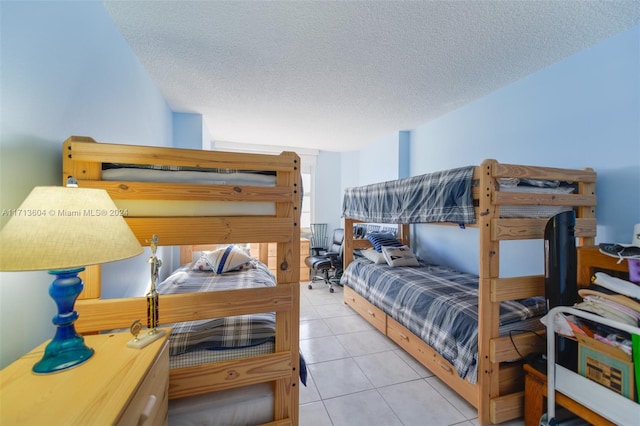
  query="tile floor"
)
[{"x": 359, "y": 377}]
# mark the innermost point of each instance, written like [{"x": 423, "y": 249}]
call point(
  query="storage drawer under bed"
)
[{"x": 375, "y": 316}]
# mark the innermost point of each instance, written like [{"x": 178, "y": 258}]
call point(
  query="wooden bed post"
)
[
  {"x": 347, "y": 255},
  {"x": 286, "y": 400},
  {"x": 587, "y": 213},
  {"x": 91, "y": 276},
  {"x": 488, "y": 311}
]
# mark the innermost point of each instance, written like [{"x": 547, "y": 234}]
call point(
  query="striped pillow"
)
[
  {"x": 226, "y": 259},
  {"x": 383, "y": 239}
]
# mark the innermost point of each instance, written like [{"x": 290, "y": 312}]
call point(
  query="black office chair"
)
[{"x": 327, "y": 263}]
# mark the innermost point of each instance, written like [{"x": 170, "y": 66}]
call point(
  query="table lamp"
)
[{"x": 62, "y": 230}]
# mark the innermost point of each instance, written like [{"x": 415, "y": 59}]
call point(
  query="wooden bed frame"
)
[
  {"x": 498, "y": 394},
  {"x": 83, "y": 158}
]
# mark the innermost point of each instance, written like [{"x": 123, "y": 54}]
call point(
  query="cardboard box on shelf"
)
[{"x": 606, "y": 364}]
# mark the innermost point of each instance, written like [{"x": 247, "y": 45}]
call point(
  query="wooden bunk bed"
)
[
  {"x": 85, "y": 159},
  {"x": 498, "y": 391}
]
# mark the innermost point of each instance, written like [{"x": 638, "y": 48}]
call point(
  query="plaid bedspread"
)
[
  {"x": 437, "y": 304},
  {"x": 443, "y": 196},
  {"x": 219, "y": 333}
]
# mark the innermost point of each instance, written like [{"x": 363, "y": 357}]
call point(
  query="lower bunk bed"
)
[
  {"x": 217, "y": 340},
  {"x": 219, "y": 343},
  {"x": 470, "y": 330}
]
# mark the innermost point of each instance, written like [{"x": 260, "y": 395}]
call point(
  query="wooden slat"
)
[
  {"x": 516, "y": 288},
  {"x": 508, "y": 407},
  {"x": 511, "y": 378},
  {"x": 223, "y": 375},
  {"x": 78, "y": 149},
  {"x": 92, "y": 278},
  {"x": 531, "y": 229},
  {"x": 361, "y": 243},
  {"x": 502, "y": 198},
  {"x": 281, "y": 422},
  {"x": 535, "y": 172},
  {"x": 107, "y": 314},
  {"x": 125, "y": 190},
  {"x": 173, "y": 231},
  {"x": 503, "y": 349}
]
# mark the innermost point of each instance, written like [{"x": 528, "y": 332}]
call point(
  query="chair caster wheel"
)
[
  {"x": 331, "y": 290},
  {"x": 310, "y": 287}
]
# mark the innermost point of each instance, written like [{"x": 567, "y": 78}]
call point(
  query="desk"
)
[{"x": 535, "y": 392}]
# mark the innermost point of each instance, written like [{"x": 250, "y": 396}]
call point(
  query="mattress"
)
[
  {"x": 439, "y": 305},
  {"x": 248, "y": 405},
  {"x": 533, "y": 187},
  {"x": 167, "y": 208},
  {"x": 444, "y": 196}
]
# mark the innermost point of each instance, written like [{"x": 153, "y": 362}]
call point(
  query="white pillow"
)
[
  {"x": 399, "y": 256},
  {"x": 202, "y": 263},
  {"x": 226, "y": 259},
  {"x": 373, "y": 256}
]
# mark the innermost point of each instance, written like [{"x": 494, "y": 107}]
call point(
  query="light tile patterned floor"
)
[{"x": 359, "y": 377}]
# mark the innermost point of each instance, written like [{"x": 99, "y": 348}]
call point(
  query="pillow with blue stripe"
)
[
  {"x": 226, "y": 259},
  {"x": 383, "y": 239}
]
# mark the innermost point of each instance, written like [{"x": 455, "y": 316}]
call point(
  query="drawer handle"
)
[
  {"x": 146, "y": 411},
  {"x": 403, "y": 337},
  {"x": 371, "y": 313}
]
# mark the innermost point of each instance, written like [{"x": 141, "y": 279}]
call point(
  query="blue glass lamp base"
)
[{"x": 67, "y": 349}]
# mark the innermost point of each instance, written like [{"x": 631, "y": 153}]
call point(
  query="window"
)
[{"x": 305, "y": 214}]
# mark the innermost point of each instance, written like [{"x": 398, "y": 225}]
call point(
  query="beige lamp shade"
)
[{"x": 63, "y": 228}]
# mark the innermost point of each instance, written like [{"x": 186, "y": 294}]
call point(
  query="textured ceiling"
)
[{"x": 338, "y": 75}]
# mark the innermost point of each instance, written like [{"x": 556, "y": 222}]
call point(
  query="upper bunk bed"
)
[
  {"x": 262, "y": 207},
  {"x": 490, "y": 197}
]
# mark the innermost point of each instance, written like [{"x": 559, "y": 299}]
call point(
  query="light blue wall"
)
[
  {"x": 66, "y": 70},
  {"x": 188, "y": 130},
  {"x": 328, "y": 178},
  {"x": 404, "y": 154},
  {"x": 380, "y": 161},
  {"x": 581, "y": 112}
]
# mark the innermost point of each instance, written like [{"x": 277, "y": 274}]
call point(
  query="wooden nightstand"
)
[
  {"x": 117, "y": 385},
  {"x": 272, "y": 261}
]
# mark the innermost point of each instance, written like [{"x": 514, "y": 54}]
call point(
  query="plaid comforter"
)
[
  {"x": 219, "y": 333},
  {"x": 437, "y": 304},
  {"x": 443, "y": 196}
]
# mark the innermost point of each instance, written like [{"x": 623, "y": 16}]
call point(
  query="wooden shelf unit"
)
[{"x": 271, "y": 256}]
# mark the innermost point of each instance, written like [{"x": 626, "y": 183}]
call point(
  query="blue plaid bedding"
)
[
  {"x": 437, "y": 304},
  {"x": 444, "y": 196},
  {"x": 219, "y": 333}
]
